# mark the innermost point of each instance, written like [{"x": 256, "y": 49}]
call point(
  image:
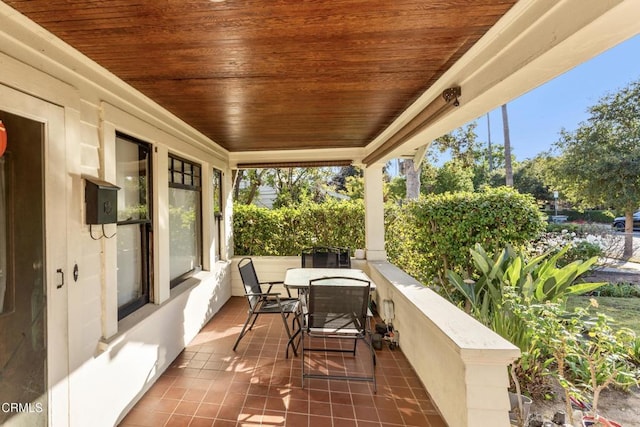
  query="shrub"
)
[
  {"x": 434, "y": 234},
  {"x": 286, "y": 231},
  {"x": 587, "y": 241},
  {"x": 537, "y": 280},
  {"x": 586, "y": 216},
  {"x": 509, "y": 295},
  {"x": 580, "y": 251},
  {"x": 619, "y": 290},
  {"x": 584, "y": 353},
  {"x": 552, "y": 227}
]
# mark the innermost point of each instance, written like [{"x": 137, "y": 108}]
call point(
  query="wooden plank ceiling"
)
[{"x": 274, "y": 74}]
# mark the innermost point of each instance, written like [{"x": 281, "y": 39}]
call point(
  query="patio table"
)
[{"x": 298, "y": 278}]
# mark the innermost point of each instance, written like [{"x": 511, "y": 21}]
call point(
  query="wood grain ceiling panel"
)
[{"x": 286, "y": 74}]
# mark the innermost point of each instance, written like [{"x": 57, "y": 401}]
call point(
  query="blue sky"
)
[{"x": 535, "y": 119}]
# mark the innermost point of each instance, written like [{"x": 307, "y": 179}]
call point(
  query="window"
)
[
  {"x": 217, "y": 212},
  {"x": 185, "y": 219},
  {"x": 133, "y": 175}
]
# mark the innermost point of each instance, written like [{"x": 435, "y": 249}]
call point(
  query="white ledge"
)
[{"x": 468, "y": 336}]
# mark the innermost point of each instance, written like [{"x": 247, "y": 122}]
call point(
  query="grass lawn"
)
[{"x": 626, "y": 311}]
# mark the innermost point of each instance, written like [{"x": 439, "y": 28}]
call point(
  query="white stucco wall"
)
[
  {"x": 462, "y": 364},
  {"x": 105, "y": 365}
]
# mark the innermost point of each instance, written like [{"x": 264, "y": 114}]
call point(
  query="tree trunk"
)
[
  {"x": 255, "y": 181},
  {"x": 628, "y": 234},
  {"x": 237, "y": 177},
  {"x": 412, "y": 180},
  {"x": 489, "y": 149},
  {"x": 507, "y": 147}
]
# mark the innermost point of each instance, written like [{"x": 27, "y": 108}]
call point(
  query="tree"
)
[
  {"x": 395, "y": 190},
  {"x": 600, "y": 161},
  {"x": 453, "y": 177},
  {"x": 292, "y": 185},
  {"x": 461, "y": 143},
  {"x": 507, "y": 147},
  {"x": 251, "y": 180},
  {"x": 529, "y": 177},
  {"x": 428, "y": 175},
  {"x": 412, "y": 175},
  {"x": 354, "y": 187},
  {"x": 488, "y": 169},
  {"x": 339, "y": 180}
]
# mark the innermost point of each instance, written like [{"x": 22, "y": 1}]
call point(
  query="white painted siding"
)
[{"x": 112, "y": 363}]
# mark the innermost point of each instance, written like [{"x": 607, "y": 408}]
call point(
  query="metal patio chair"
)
[
  {"x": 320, "y": 257},
  {"x": 337, "y": 308},
  {"x": 344, "y": 257},
  {"x": 268, "y": 302}
]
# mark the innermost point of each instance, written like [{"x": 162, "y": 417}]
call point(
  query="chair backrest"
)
[
  {"x": 325, "y": 257},
  {"x": 249, "y": 280},
  {"x": 344, "y": 257},
  {"x": 338, "y": 302},
  {"x": 306, "y": 257}
]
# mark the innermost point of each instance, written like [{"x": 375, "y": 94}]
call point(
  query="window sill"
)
[{"x": 134, "y": 320}]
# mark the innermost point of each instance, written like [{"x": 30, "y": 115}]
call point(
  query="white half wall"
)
[{"x": 106, "y": 387}]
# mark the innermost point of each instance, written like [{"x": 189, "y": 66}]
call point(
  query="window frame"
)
[
  {"x": 216, "y": 181},
  {"x": 172, "y": 158},
  {"x": 146, "y": 233}
]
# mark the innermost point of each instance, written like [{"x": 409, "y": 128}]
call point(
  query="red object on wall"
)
[{"x": 3, "y": 139}]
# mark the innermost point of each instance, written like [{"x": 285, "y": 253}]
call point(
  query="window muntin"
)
[
  {"x": 185, "y": 219},
  {"x": 133, "y": 175}
]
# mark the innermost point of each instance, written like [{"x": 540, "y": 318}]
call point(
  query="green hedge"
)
[
  {"x": 425, "y": 237},
  {"x": 288, "y": 230},
  {"x": 587, "y": 216},
  {"x": 435, "y": 233}
]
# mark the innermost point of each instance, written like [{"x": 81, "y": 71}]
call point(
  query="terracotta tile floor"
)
[{"x": 211, "y": 385}]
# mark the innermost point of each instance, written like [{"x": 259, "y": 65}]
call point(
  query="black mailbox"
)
[{"x": 101, "y": 199}]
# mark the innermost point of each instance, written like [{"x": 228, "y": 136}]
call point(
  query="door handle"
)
[{"x": 61, "y": 273}]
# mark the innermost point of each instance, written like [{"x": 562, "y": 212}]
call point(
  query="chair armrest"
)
[
  {"x": 264, "y": 294},
  {"x": 278, "y": 282}
]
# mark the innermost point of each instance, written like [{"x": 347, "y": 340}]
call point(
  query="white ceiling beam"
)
[{"x": 533, "y": 43}]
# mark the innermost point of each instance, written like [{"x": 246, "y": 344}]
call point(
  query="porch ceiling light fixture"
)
[{"x": 436, "y": 109}]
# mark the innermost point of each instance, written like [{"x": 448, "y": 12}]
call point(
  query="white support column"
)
[
  {"x": 161, "y": 239},
  {"x": 208, "y": 243},
  {"x": 109, "y": 246},
  {"x": 374, "y": 213}
]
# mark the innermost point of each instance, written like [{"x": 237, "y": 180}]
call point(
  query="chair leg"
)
[
  {"x": 373, "y": 361},
  {"x": 297, "y": 331},
  {"x": 286, "y": 327},
  {"x": 302, "y": 356},
  {"x": 244, "y": 329},
  {"x": 254, "y": 320}
]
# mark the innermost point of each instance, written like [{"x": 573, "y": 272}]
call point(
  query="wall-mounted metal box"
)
[{"x": 101, "y": 200}]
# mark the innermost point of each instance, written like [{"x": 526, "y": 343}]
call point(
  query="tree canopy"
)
[{"x": 599, "y": 162}]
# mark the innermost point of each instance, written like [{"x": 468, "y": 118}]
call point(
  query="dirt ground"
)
[{"x": 618, "y": 406}]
